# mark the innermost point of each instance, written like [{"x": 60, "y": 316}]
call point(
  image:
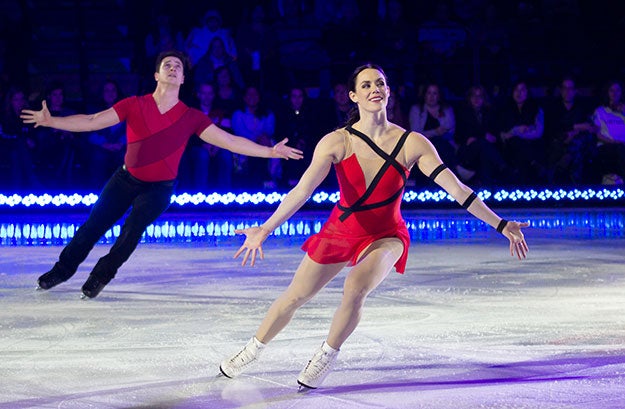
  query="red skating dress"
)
[{"x": 364, "y": 214}]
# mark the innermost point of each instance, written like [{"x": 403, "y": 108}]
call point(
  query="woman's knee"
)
[
  {"x": 292, "y": 301},
  {"x": 355, "y": 295}
]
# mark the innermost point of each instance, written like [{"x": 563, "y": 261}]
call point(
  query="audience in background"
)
[
  {"x": 521, "y": 124},
  {"x": 258, "y": 49},
  {"x": 478, "y": 155},
  {"x": 108, "y": 145},
  {"x": 205, "y": 166},
  {"x": 56, "y": 149},
  {"x": 570, "y": 136},
  {"x": 17, "y": 144},
  {"x": 434, "y": 117},
  {"x": 609, "y": 119},
  {"x": 293, "y": 50},
  {"x": 256, "y": 122},
  {"x": 298, "y": 120},
  {"x": 216, "y": 56},
  {"x": 199, "y": 38}
]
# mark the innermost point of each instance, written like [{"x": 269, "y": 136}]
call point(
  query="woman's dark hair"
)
[
  {"x": 605, "y": 92},
  {"x": 6, "y": 106},
  {"x": 442, "y": 103},
  {"x": 354, "y": 115},
  {"x": 473, "y": 89},
  {"x": 172, "y": 53},
  {"x": 262, "y": 110}
]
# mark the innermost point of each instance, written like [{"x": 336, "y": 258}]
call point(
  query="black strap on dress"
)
[{"x": 390, "y": 160}]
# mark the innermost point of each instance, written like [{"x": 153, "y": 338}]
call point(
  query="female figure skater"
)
[{"x": 372, "y": 158}]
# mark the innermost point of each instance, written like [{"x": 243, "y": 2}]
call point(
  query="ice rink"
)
[{"x": 467, "y": 326}]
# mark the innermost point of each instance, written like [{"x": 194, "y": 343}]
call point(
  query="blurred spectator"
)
[
  {"x": 394, "y": 110},
  {"x": 609, "y": 118},
  {"x": 301, "y": 53},
  {"x": 434, "y": 117},
  {"x": 17, "y": 143},
  {"x": 347, "y": 37},
  {"x": 442, "y": 41},
  {"x": 162, "y": 36},
  {"x": 206, "y": 166},
  {"x": 298, "y": 120},
  {"x": 199, "y": 38},
  {"x": 479, "y": 158},
  {"x": 107, "y": 146},
  {"x": 521, "y": 125},
  {"x": 258, "y": 49},
  {"x": 228, "y": 93},
  {"x": 337, "y": 109},
  {"x": 492, "y": 36},
  {"x": 216, "y": 57},
  {"x": 569, "y": 136},
  {"x": 396, "y": 46},
  {"x": 56, "y": 149},
  {"x": 257, "y": 123}
]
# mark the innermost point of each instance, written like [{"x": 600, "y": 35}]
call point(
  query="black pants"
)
[{"x": 146, "y": 200}]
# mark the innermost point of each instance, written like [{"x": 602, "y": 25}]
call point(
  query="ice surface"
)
[{"x": 467, "y": 326}]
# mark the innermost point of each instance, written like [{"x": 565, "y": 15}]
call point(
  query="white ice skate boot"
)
[
  {"x": 236, "y": 364},
  {"x": 318, "y": 367}
]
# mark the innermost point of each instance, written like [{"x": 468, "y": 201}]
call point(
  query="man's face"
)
[
  {"x": 56, "y": 98},
  {"x": 297, "y": 98},
  {"x": 567, "y": 91},
  {"x": 519, "y": 94},
  {"x": 251, "y": 97},
  {"x": 171, "y": 71},
  {"x": 206, "y": 94}
]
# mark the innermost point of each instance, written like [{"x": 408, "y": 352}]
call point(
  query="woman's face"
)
[
  {"x": 371, "y": 89},
  {"x": 432, "y": 95},
  {"x": 477, "y": 99},
  {"x": 251, "y": 97},
  {"x": 217, "y": 48},
  {"x": 56, "y": 98},
  {"x": 297, "y": 98},
  {"x": 18, "y": 101},
  {"x": 206, "y": 94},
  {"x": 223, "y": 77},
  {"x": 615, "y": 93},
  {"x": 519, "y": 93},
  {"x": 109, "y": 93}
]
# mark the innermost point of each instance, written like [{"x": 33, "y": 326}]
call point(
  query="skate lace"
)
[
  {"x": 318, "y": 365},
  {"x": 243, "y": 358}
]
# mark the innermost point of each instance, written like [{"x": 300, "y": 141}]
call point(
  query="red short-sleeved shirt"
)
[{"x": 156, "y": 141}]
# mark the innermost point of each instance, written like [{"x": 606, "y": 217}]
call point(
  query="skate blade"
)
[
  {"x": 40, "y": 288},
  {"x": 84, "y": 297},
  {"x": 304, "y": 389}
]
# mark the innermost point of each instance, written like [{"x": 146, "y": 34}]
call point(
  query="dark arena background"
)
[{"x": 466, "y": 326}]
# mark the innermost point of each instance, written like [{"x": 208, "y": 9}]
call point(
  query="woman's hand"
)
[
  {"x": 518, "y": 245},
  {"x": 39, "y": 118},
  {"x": 255, "y": 236}
]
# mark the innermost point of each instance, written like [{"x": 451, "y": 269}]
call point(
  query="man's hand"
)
[
  {"x": 39, "y": 118},
  {"x": 281, "y": 150}
]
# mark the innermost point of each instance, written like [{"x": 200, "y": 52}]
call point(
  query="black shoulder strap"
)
[{"x": 390, "y": 160}]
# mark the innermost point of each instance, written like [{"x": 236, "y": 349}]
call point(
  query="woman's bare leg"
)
[
  {"x": 309, "y": 278},
  {"x": 374, "y": 265}
]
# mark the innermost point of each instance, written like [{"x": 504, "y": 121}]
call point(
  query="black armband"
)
[
  {"x": 469, "y": 200},
  {"x": 502, "y": 225},
  {"x": 438, "y": 170}
]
